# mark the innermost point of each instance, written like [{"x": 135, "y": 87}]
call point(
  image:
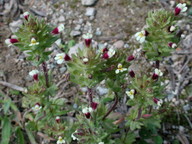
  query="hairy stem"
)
[
  {"x": 139, "y": 113},
  {"x": 45, "y": 74},
  {"x": 112, "y": 108},
  {"x": 90, "y": 95}
]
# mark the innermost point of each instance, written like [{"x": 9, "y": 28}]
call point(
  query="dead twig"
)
[{"x": 15, "y": 87}]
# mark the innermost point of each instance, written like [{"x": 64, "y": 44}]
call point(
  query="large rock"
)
[{"x": 88, "y": 2}]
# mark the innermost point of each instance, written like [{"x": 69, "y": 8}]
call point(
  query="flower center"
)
[
  {"x": 33, "y": 41},
  {"x": 141, "y": 34}
]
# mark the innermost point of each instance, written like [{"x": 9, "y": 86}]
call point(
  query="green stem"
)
[{"x": 45, "y": 74}]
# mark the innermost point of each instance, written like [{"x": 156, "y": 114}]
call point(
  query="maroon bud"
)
[
  {"x": 130, "y": 58},
  {"x": 132, "y": 74},
  {"x": 105, "y": 55},
  {"x": 58, "y": 120},
  {"x": 170, "y": 44},
  {"x": 37, "y": 104},
  {"x": 14, "y": 40},
  {"x": 105, "y": 50},
  {"x": 155, "y": 100},
  {"x": 88, "y": 42},
  {"x": 35, "y": 77},
  {"x": 94, "y": 105},
  {"x": 88, "y": 115},
  {"x": 155, "y": 76},
  {"x": 67, "y": 57},
  {"x": 177, "y": 11},
  {"x": 146, "y": 33},
  {"x": 55, "y": 31}
]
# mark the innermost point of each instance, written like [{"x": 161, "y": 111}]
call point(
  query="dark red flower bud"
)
[
  {"x": 105, "y": 55},
  {"x": 88, "y": 42},
  {"x": 146, "y": 33},
  {"x": 55, "y": 31},
  {"x": 155, "y": 76},
  {"x": 67, "y": 57},
  {"x": 130, "y": 58},
  {"x": 177, "y": 11},
  {"x": 155, "y": 100},
  {"x": 58, "y": 120},
  {"x": 36, "y": 77},
  {"x": 88, "y": 115},
  {"x": 14, "y": 40},
  {"x": 94, "y": 105},
  {"x": 37, "y": 104},
  {"x": 105, "y": 50},
  {"x": 132, "y": 74}
]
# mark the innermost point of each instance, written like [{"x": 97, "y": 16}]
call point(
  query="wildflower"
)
[
  {"x": 108, "y": 54},
  {"x": 58, "y": 29},
  {"x": 85, "y": 60},
  {"x": 88, "y": 38},
  {"x": 34, "y": 74},
  {"x": 61, "y": 57},
  {"x": 131, "y": 93},
  {"x": 180, "y": 8},
  {"x": 171, "y": 29},
  {"x": 130, "y": 58},
  {"x": 157, "y": 74},
  {"x": 140, "y": 36},
  {"x": 132, "y": 74},
  {"x": 120, "y": 69},
  {"x": 36, "y": 108},
  {"x": 60, "y": 140},
  {"x": 58, "y": 119},
  {"x": 159, "y": 102},
  {"x": 74, "y": 137},
  {"x": 11, "y": 41},
  {"x": 94, "y": 105},
  {"x": 172, "y": 45},
  {"x": 101, "y": 143},
  {"x": 87, "y": 112},
  {"x": 26, "y": 15},
  {"x": 33, "y": 42}
]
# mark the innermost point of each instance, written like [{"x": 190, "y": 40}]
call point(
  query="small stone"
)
[
  {"x": 98, "y": 32},
  {"x": 74, "y": 49},
  {"x": 63, "y": 69},
  {"x": 90, "y": 12},
  {"x": 187, "y": 42},
  {"x": 15, "y": 25},
  {"x": 78, "y": 27},
  {"x": 119, "y": 44},
  {"x": 75, "y": 33},
  {"x": 61, "y": 19},
  {"x": 101, "y": 90},
  {"x": 126, "y": 45},
  {"x": 88, "y": 2}
]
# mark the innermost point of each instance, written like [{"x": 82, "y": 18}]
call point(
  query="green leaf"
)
[
  {"x": 30, "y": 136},
  {"x": 6, "y": 131},
  {"x": 20, "y": 136}
]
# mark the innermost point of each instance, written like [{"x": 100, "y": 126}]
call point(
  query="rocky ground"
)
[{"x": 111, "y": 21}]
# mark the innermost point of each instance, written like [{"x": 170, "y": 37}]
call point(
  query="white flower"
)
[
  {"x": 120, "y": 69},
  {"x": 61, "y": 27},
  {"x": 140, "y": 36},
  {"x": 33, "y": 72},
  {"x": 26, "y": 14},
  {"x": 33, "y": 42},
  {"x": 85, "y": 60},
  {"x": 160, "y": 102},
  {"x": 172, "y": 28},
  {"x": 87, "y": 110},
  {"x": 182, "y": 7},
  {"x": 101, "y": 143},
  {"x": 130, "y": 93},
  {"x": 60, "y": 58},
  {"x": 60, "y": 140},
  {"x": 158, "y": 72},
  {"x": 36, "y": 108},
  {"x": 87, "y": 36},
  {"x": 111, "y": 52},
  {"x": 74, "y": 137}
]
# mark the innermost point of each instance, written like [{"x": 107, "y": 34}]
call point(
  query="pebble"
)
[
  {"x": 90, "y": 11},
  {"x": 101, "y": 90},
  {"x": 119, "y": 44},
  {"x": 88, "y": 2},
  {"x": 74, "y": 49},
  {"x": 15, "y": 25},
  {"x": 98, "y": 32},
  {"x": 61, "y": 19},
  {"x": 63, "y": 69},
  {"x": 78, "y": 27},
  {"x": 187, "y": 42},
  {"x": 75, "y": 33}
]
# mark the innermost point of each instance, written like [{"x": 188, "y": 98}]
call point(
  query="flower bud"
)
[
  {"x": 172, "y": 45},
  {"x": 171, "y": 29},
  {"x": 34, "y": 74},
  {"x": 11, "y": 41},
  {"x": 94, "y": 105},
  {"x": 132, "y": 74},
  {"x": 26, "y": 15},
  {"x": 155, "y": 76},
  {"x": 88, "y": 39},
  {"x": 58, "y": 119},
  {"x": 67, "y": 57},
  {"x": 180, "y": 8},
  {"x": 105, "y": 55},
  {"x": 58, "y": 29},
  {"x": 130, "y": 58}
]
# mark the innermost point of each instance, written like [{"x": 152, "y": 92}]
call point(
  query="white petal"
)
[
  {"x": 142, "y": 39},
  {"x": 117, "y": 71},
  {"x": 184, "y": 9},
  {"x": 60, "y": 61}
]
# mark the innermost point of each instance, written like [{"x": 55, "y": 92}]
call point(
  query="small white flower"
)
[
  {"x": 57, "y": 118},
  {"x": 174, "y": 45},
  {"x": 36, "y": 108},
  {"x": 182, "y": 7},
  {"x": 120, "y": 69},
  {"x": 130, "y": 93},
  {"x": 158, "y": 72},
  {"x": 140, "y": 36},
  {"x": 101, "y": 143},
  {"x": 26, "y": 13},
  {"x": 87, "y": 110},
  {"x": 74, "y": 137},
  {"x": 111, "y": 52},
  {"x": 60, "y": 58},
  {"x": 60, "y": 140},
  {"x": 34, "y": 42},
  {"x": 85, "y": 60},
  {"x": 33, "y": 72},
  {"x": 160, "y": 102},
  {"x": 172, "y": 28},
  {"x": 87, "y": 36},
  {"x": 61, "y": 27}
]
